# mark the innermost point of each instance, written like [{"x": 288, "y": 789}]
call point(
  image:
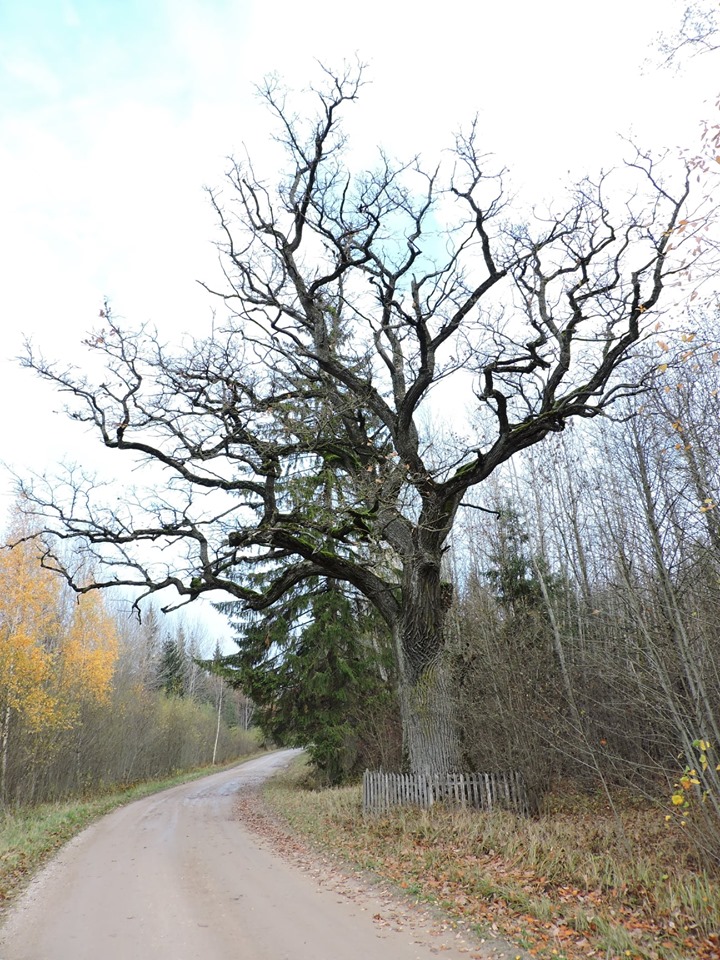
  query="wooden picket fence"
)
[{"x": 483, "y": 791}]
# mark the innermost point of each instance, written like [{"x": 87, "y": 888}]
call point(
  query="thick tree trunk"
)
[
  {"x": 428, "y": 703},
  {"x": 428, "y": 711}
]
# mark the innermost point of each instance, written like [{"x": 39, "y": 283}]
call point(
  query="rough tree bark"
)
[{"x": 427, "y": 697}]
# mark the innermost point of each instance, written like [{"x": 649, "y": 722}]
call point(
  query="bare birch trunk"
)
[
  {"x": 4, "y": 748},
  {"x": 217, "y": 727}
]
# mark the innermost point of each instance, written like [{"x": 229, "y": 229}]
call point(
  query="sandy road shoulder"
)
[{"x": 390, "y": 910}]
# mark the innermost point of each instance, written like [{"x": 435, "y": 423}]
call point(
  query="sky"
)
[{"x": 115, "y": 114}]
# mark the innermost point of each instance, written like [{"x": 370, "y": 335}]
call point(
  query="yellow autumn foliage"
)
[
  {"x": 88, "y": 651},
  {"x": 29, "y": 626},
  {"x": 50, "y": 662}
]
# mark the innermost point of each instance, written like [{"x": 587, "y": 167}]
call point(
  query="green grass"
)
[{"x": 29, "y": 836}]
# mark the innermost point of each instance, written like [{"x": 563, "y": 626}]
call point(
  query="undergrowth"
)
[{"x": 571, "y": 883}]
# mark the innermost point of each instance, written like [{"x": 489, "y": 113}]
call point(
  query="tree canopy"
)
[{"x": 294, "y": 439}]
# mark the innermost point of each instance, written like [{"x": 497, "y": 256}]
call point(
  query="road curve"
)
[{"x": 176, "y": 876}]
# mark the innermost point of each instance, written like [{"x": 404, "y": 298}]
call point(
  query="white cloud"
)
[
  {"x": 33, "y": 73},
  {"x": 104, "y": 155}
]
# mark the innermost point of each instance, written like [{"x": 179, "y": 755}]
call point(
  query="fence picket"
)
[{"x": 482, "y": 791}]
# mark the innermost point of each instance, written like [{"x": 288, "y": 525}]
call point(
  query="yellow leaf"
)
[
  {"x": 29, "y": 627},
  {"x": 677, "y": 799},
  {"x": 662, "y": 368},
  {"x": 663, "y": 345},
  {"x": 49, "y": 664}
]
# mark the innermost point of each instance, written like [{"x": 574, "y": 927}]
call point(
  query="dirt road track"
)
[{"x": 176, "y": 876}]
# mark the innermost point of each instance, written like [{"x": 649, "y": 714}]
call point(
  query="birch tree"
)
[{"x": 50, "y": 661}]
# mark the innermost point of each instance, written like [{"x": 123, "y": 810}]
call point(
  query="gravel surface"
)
[{"x": 202, "y": 871}]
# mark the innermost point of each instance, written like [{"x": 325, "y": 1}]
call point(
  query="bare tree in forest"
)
[
  {"x": 292, "y": 439},
  {"x": 696, "y": 33}
]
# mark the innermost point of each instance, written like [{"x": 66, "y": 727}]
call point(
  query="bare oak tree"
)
[{"x": 293, "y": 439}]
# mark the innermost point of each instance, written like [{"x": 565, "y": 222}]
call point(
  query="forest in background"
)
[
  {"x": 591, "y": 599},
  {"x": 585, "y": 629},
  {"x": 92, "y": 698}
]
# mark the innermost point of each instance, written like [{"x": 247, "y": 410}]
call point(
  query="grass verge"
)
[
  {"x": 566, "y": 885},
  {"x": 29, "y": 836}
]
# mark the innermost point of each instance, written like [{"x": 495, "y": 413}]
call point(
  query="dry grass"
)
[{"x": 572, "y": 883}]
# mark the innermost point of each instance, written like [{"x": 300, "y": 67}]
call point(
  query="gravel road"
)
[{"x": 180, "y": 876}]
